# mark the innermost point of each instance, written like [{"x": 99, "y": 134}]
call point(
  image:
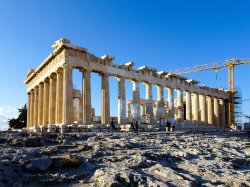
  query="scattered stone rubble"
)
[{"x": 124, "y": 159}]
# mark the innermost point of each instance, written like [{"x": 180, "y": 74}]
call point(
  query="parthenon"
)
[{"x": 50, "y": 92}]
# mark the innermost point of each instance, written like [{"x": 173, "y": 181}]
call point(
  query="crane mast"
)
[{"x": 230, "y": 63}]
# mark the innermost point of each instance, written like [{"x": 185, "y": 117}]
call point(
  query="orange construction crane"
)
[{"x": 216, "y": 66}]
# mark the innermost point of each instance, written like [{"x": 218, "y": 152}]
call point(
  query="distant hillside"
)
[{"x": 3, "y": 123}]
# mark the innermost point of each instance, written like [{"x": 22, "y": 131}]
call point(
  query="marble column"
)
[
  {"x": 188, "y": 106},
  {"x": 216, "y": 112},
  {"x": 128, "y": 110},
  {"x": 28, "y": 110},
  {"x": 105, "y": 116},
  {"x": 59, "y": 95},
  {"x": 222, "y": 112},
  {"x": 170, "y": 103},
  {"x": 195, "y": 107},
  {"x": 209, "y": 110},
  {"x": 180, "y": 105},
  {"x": 143, "y": 109},
  {"x": 136, "y": 101},
  {"x": 203, "y": 109},
  {"x": 149, "y": 102},
  {"x": 86, "y": 97},
  {"x": 32, "y": 99},
  {"x": 40, "y": 104},
  {"x": 121, "y": 101},
  {"x": 67, "y": 95},
  {"x": 52, "y": 99},
  {"x": 160, "y": 103},
  {"x": 46, "y": 102},
  {"x": 35, "y": 119}
]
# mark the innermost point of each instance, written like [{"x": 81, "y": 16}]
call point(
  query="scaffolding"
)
[{"x": 238, "y": 108}]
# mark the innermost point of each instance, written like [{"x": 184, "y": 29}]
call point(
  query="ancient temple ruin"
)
[{"x": 50, "y": 92}]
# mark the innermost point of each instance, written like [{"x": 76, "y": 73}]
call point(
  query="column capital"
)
[
  {"x": 169, "y": 87},
  {"x": 41, "y": 83},
  {"x": 67, "y": 66},
  {"x": 46, "y": 80},
  {"x": 59, "y": 70},
  {"x": 104, "y": 74},
  {"x": 84, "y": 70},
  {"x": 134, "y": 81},
  {"x": 146, "y": 83},
  {"x": 119, "y": 78},
  {"x": 52, "y": 76}
]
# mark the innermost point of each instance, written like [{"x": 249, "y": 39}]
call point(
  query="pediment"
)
[{"x": 29, "y": 72}]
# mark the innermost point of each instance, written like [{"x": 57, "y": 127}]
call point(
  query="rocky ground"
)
[{"x": 124, "y": 159}]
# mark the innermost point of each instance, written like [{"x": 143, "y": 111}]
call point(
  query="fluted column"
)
[
  {"x": 52, "y": 99},
  {"x": 59, "y": 96},
  {"x": 170, "y": 103},
  {"x": 28, "y": 110},
  {"x": 209, "y": 110},
  {"x": 180, "y": 105},
  {"x": 128, "y": 110},
  {"x": 222, "y": 112},
  {"x": 105, "y": 117},
  {"x": 46, "y": 102},
  {"x": 136, "y": 101},
  {"x": 143, "y": 109},
  {"x": 67, "y": 95},
  {"x": 121, "y": 101},
  {"x": 203, "y": 109},
  {"x": 86, "y": 97},
  {"x": 188, "y": 106},
  {"x": 149, "y": 102},
  {"x": 35, "y": 119},
  {"x": 32, "y": 108},
  {"x": 195, "y": 107},
  {"x": 216, "y": 112},
  {"x": 40, "y": 104},
  {"x": 160, "y": 103},
  {"x": 81, "y": 111}
]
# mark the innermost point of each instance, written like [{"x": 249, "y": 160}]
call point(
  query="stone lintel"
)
[
  {"x": 147, "y": 68},
  {"x": 107, "y": 57},
  {"x": 132, "y": 73},
  {"x": 192, "y": 81},
  {"x": 129, "y": 64},
  {"x": 60, "y": 42}
]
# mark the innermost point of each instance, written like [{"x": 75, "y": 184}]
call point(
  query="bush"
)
[{"x": 21, "y": 121}]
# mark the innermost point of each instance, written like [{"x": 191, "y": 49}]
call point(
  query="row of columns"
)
[
  {"x": 205, "y": 109},
  {"x": 51, "y": 102},
  {"x": 198, "y": 107},
  {"x": 47, "y": 101}
]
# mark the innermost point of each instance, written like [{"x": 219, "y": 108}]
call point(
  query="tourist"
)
[
  {"x": 132, "y": 126},
  {"x": 136, "y": 127},
  {"x": 112, "y": 125},
  {"x": 173, "y": 127},
  {"x": 168, "y": 126}
]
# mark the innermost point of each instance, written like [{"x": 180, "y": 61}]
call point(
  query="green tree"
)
[{"x": 21, "y": 120}]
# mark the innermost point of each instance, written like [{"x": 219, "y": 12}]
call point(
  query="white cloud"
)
[
  {"x": 8, "y": 111},
  {"x": 3, "y": 123}
]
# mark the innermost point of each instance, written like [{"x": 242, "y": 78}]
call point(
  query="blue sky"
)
[{"x": 161, "y": 34}]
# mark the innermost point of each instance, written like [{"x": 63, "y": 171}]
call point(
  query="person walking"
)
[
  {"x": 132, "y": 126},
  {"x": 112, "y": 125},
  {"x": 168, "y": 126},
  {"x": 136, "y": 127}
]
